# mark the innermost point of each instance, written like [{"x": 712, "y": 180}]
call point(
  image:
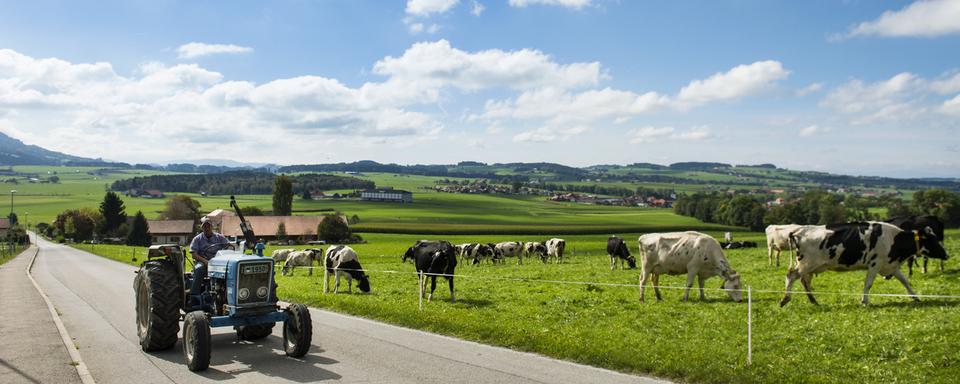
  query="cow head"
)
[
  {"x": 363, "y": 282},
  {"x": 733, "y": 286},
  {"x": 408, "y": 255},
  {"x": 929, "y": 244},
  {"x": 632, "y": 262}
]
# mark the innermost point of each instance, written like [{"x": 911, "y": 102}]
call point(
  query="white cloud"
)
[
  {"x": 574, "y": 4},
  {"x": 425, "y": 8},
  {"x": 921, "y": 19},
  {"x": 813, "y": 130},
  {"x": 192, "y": 50},
  {"x": 812, "y": 88},
  {"x": 415, "y": 28},
  {"x": 437, "y": 64},
  {"x": 946, "y": 84},
  {"x": 549, "y": 134},
  {"x": 562, "y": 106},
  {"x": 894, "y": 99},
  {"x": 951, "y": 107},
  {"x": 740, "y": 81},
  {"x": 653, "y": 134},
  {"x": 477, "y": 9}
]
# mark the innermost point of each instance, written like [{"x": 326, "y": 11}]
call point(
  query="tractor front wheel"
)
[
  {"x": 297, "y": 330},
  {"x": 196, "y": 340}
]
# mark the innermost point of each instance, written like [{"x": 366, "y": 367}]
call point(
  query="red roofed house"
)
[
  {"x": 303, "y": 228},
  {"x": 4, "y": 226},
  {"x": 172, "y": 231}
]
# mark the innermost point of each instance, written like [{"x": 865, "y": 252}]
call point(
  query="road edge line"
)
[{"x": 81, "y": 367}]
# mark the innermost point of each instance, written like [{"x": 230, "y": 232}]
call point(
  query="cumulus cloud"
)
[
  {"x": 437, "y": 64},
  {"x": 946, "y": 84},
  {"x": 813, "y": 130},
  {"x": 424, "y": 8},
  {"x": 951, "y": 107},
  {"x": 931, "y": 18},
  {"x": 192, "y": 50},
  {"x": 896, "y": 98},
  {"x": 477, "y": 9},
  {"x": 653, "y": 134},
  {"x": 549, "y": 134},
  {"x": 564, "y": 106},
  {"x": 573, "y": 4},
  {"x": 740, "y": 81},
  {"x": 812, "y": 88}
]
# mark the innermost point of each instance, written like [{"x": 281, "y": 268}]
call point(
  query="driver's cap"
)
[{"x": 205, "y": 220}]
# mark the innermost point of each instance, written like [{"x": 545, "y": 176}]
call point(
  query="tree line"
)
[
  {"x": 815, "y": 207},
  {"x": 239, "y": 182}
]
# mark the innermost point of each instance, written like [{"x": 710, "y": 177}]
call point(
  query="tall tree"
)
[
  {"x": 281, "y": 231},
  {"x": 139, "y": 234},
  {"x": 333, "y": 229},
  {"x": 282, "y": 196},
  {"x": 77, "y": 224},
  {"x": 181, "y": 207},
  {"x": 113, "y": 212}
]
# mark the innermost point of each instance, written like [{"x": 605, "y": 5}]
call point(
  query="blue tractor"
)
[{"x": 240, "y": 292}]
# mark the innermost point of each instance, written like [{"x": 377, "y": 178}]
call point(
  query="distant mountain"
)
[{"x": 15, "y": 152}]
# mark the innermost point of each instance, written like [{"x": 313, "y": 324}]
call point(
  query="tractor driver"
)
[{"x": 203, "y": 243}]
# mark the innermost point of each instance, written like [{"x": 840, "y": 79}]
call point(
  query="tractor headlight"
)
[
  {"x": 244, "y": 293},
  {"x": 262, "y": 292}
]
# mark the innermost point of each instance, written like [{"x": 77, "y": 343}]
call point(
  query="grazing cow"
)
[
  {"x": 738, "y": 244},
  {"x": 509, "y": 249},
  {"x": 918, "y": 223},
  {"x": 694, "y": 253},
  {"x": 281, "y": 254},
  {"x": 343, "y": 260},
  {"x": 458, "y": 249},
  {"x": 535, "y": 248},
  {"x": 617, "y": 249},
  {"x": 433, "y": 258},
  {"x": 476, "y": 252},
  {"x": 302, "y": 258},
  {"x": 878, "y": 247},
  {"x": 778, "y": 238},
  {"x": 555, "y": 249}
]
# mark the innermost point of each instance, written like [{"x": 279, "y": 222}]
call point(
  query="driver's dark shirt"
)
[{"x": 201, "y": 242}]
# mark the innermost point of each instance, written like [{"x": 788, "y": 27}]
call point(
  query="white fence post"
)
[
  {"x": 420, "y": 280},
  {"x": 749, "y": 325},
  {"x": 325, "y": 272}
]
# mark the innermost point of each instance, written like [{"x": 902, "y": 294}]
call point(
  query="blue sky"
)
[{"x": 854, "y": 87}]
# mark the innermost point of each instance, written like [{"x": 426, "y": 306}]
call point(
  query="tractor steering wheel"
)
[{"x": 211, "y": 250}]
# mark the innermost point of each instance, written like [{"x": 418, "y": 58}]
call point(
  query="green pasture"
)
[{"x": 595, "y": 317}]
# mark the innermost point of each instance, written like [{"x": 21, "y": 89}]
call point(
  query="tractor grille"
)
[{"x": 253, "y": 282}]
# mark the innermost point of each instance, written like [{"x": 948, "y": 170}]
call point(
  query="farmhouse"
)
[
  {"x": 216, "y": 217},
  {"x": 4, "y": 226},
  {"x": 394, "y": 195},
  {"x": 302, "y": 228},
  {"x": 171, "y": 231}
]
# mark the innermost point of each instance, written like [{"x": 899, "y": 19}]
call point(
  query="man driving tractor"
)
[{"x": 203, "y": 248}]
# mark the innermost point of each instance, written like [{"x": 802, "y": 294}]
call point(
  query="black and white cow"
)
[
  {"x": 302, "y": 258},
  {"x": 617, "y": 249},
  {"x": 555, "y": 249},
  {"x": 343, "y": 260},
  {"x": 692, "y": 253},
  {"x": 433, "y": 258},
  {"x": 509, "y": 249},
  {"x": 535, "y": 248},
  {"x": 476, "y": 252},
  {"x": 878, "y": 247},
  {"x": 918, "y": 223}
]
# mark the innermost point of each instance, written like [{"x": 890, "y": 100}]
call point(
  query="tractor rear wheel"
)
[
  {"x": 158, "y": 305},
  {"x": 297, "y": 330},
  {"x": 254, "y": 332},
  {"x": 196, "y": 340}
]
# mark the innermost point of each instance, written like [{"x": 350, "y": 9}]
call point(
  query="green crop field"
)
[{"x": 582, "y": 311}]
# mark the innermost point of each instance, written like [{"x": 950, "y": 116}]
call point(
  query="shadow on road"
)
[
  {"x": 264, "y": 357},
  {"x": 20, "y": 373}
]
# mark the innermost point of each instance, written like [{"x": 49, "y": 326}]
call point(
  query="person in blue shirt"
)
[
  {"x": 259, "y": 248},
  {"x": 202, "y": 248}
]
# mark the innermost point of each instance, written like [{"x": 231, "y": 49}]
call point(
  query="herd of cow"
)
[{"x": 878, "y": 247}]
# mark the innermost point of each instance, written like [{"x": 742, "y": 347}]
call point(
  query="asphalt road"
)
[{"x": 96, "y": 299}]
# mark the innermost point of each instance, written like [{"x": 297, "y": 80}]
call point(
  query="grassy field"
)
[
  {"x": 8, "y": 253},
  {"x": 593, "y": 321}
]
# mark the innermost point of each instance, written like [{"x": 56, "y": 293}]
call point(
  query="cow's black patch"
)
[
  {"x": 875, "y": 231},
  {"x": 904, "y": 247},
  {"x": 848, "y": 236}
]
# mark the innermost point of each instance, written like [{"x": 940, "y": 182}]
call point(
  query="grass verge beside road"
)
[{"x": 595, "y": 322}]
